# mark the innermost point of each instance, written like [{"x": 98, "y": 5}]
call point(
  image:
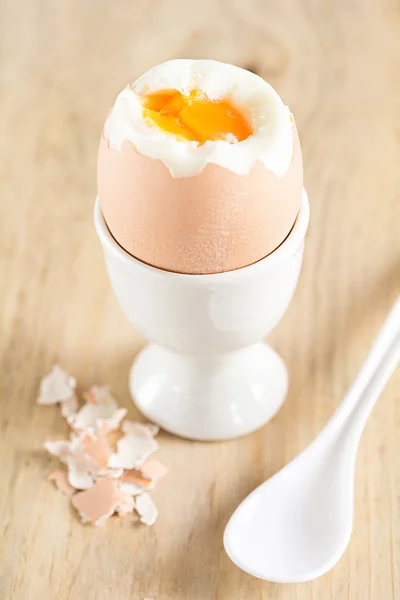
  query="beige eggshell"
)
[
  {"x": 60, "y": 478},
  {"x": 213, "y": 222}
]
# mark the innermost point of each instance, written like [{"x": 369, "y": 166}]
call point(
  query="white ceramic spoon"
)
[{"x": 296, "y": 525}]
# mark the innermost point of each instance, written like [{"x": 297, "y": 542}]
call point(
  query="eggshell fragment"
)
[
  {"x": 101, "y": 501},
  {"x": 98, "y": 449},
  {"x": 58, "y": 387},
  {"x": 100, "y": 414},
  {"x": 69, "y": 407},
  {"x": 131, "y": 488},
  {"x": 146, "y": 509},
  {"x": 84, "y": 467},
  {"x": 99, "y": 394},
  {"x": 153, "y": 469},
  {"x": 154, "y": 429},
  {"x": 134, "y": 427},
  {"x": 60, "y": 478},
  {"x": 126, "y": 503},
  {"x": 132, "y": 450},
  {"x": 60, "y": 448},
  {"x": 135, "y": 481},
  {"x": 134, "y": 477},
  {"x": 81, "y": 469}
]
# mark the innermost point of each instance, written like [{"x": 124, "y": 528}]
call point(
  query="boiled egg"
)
[{"x": 199, "y": 168}]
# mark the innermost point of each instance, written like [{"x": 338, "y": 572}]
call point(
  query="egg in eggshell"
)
[{"x": 199, "y": 168}]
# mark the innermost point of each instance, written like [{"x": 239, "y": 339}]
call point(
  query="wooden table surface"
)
[{"x": 336, "y": 63}]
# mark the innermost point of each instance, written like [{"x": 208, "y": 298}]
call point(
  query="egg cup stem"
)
[{"x": 206, "y": 374}]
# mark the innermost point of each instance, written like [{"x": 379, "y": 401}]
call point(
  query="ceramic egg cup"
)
[{"x": 207, "y": 374}]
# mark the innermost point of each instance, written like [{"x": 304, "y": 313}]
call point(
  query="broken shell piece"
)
[
  {"x": 83, "y": 467},
  {"x": 134, "y": 447},
  {"x": 97, "y": 503},
  {"x": 126, "y": 503},
  {"x": 99, "y": 394},
  {"x": 130, "y": 488},
  {"x": 69, "y": 407},
  {"x": 153, "y": 428},
  {"x": 134, "y": 427},
  {"x": 135, "y": 476},
  {"x": 97, "y": 448},
  {"x": 110, "y": 473},
  {"x": 59, "y": 448},
  {"x": 81, "y": 470},
  {"x": 153, "y": 469},
  {"x": 134, "y": 483},
  {"x": 101, "y": 501},
  {"x": 146, "y": 509},
  {"x": 65, "y": 448},
  {"x": 98, "y": 417},
  {"x": 60, "y": 478},
  {"x": 123, "y": 513},
  {"x": 56, "y": 387}
]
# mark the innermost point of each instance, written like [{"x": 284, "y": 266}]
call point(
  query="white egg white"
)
[{"x": 271, "y": 142}]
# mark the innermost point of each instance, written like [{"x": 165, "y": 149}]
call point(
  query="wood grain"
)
[{"x": 336, "y": 63}]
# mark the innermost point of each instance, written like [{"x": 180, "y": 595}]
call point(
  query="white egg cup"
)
[{"x": 207, "y": 374}]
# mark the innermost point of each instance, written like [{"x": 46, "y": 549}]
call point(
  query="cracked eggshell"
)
[
  {"x": 60, "y": 478},
  {"x": 146, "y": 509},
  {"x": 98, "y": 449},
  {"x": 98, "y": 418},
  {"x": 133, "y": 450},
  {"x": 210, "y": 223},
  {"x": 134, "y": 478},
  {"x": 56, "y": 387},
  {"x": 153, "y": 469},
  {"x": 101, "y": 501}
]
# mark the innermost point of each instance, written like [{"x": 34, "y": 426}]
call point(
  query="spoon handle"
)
[{"x": 376, "y": 370}]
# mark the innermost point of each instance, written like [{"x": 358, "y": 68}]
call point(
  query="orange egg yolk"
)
[{"x": 195, "y": 117}]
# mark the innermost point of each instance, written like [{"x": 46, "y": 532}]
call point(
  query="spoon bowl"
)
[
  {"x": 300, "y": 509},
  {"x": 296, "y": 525}
]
